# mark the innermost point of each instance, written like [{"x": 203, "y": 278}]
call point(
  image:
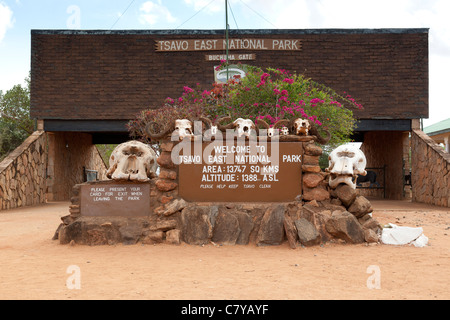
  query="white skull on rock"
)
[
  {"x": 301, "y": 127},
  {"x": 244, "y": 127},
  {"x": 345, "y": 163},
  {"x": 183, "y": 129},
  {"x": 272, "y": 132},
  {"x": 132, "y": 160}
]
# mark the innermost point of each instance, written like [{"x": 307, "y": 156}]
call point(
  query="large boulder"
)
[
  {"x": 360, "y": 207},
  {"x": 226, "y": 228},
  {"x": 271, "y": 230},
  {"x": 196, "y": 224},
  {"x": 346, "y": 194},
  {"x": 307, "y": 232},
  {"x": 344, "y": 225}
]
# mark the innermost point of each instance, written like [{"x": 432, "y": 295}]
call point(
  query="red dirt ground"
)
[{"x": 35, "y": 267}]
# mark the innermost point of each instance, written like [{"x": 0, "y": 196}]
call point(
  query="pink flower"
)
[
  {"x": 290, "y": 81},
  {"x": 276, "y": 91},
  {"x": 284, "y": 92},
  {"x": 187, "y": 89}
]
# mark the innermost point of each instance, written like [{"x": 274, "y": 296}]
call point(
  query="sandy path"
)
[{"x": 32, "y": 266}]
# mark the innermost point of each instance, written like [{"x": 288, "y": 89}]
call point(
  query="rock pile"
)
[
  {"x": 345, "y": 216},
  {"x": 322, "y": 214}
]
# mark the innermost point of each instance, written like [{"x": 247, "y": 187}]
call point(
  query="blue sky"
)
[{"x": 18, "y": 17}]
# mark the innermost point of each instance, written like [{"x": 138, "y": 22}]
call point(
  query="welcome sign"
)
[{"x": 262, "y": 172}]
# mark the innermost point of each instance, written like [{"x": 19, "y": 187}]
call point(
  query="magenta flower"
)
[
  {"x": 187, "y": 89},
  {"x": 169, "y": 100}
]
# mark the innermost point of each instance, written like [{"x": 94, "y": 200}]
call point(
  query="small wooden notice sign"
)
[
  {"x": 127, "y": 199},
  {"x": 233, "y": 173}
]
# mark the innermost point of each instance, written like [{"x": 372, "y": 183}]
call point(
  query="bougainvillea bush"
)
[{"x": 270, "y": 94}]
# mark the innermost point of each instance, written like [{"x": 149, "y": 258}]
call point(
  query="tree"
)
[
  {"x": 270, "y": 95},
  {"x": 15, "y": 122}
]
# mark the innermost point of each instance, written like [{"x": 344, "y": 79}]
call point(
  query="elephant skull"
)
[
  {"x": 132, "y": 160},
  {"x": 345, "y": 163}
]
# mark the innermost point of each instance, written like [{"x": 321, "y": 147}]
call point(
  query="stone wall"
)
[
  {"x": 319, "y": 215},
  {"x": 45, "y": 167},
  {"x": 23, "y": 173},
  {"x": 430, "y": 171}
]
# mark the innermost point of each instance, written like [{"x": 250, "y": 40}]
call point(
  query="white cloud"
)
[
  {"x": 211, "y": 6},
  {"x": 431, "y": 14},
  {"x": 153, "y": 12},
  {"x": 6, "y": 19}
]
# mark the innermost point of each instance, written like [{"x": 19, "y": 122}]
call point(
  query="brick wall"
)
[{"x": 115, "y": 74}]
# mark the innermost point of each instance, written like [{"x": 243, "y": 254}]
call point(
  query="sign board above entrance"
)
[{"x": 233, "y": 44}]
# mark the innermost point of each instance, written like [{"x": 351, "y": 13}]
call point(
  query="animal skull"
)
[
  {"x": 132, "y": 160},
  {"x": 284, "y": 131},
  {"x": 183, "y": 129},
  {"x": 244, "y": 127},
  {"x": 301, "y": 127},
  {"x": 271, "y": 132},
  {"x": 345, "y": 163}
]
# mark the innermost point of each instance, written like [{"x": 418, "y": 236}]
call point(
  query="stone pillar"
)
[{"x": 447, "y": 148}]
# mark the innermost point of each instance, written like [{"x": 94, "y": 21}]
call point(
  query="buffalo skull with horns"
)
[
  {"x": 179, "y": 130},
  {"x": 243, "y": 127},
  {"x": 278, "y": 128}
]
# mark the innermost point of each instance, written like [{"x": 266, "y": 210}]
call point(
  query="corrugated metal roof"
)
[{"x": 438, "y": 128}]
